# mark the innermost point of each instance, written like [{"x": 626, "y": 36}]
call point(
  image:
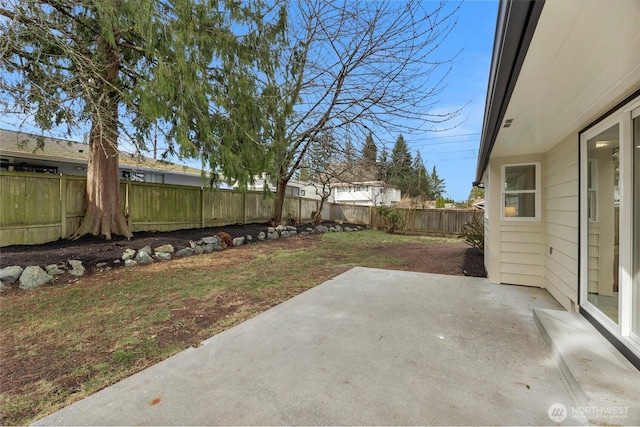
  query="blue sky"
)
[{"x": 453, "y": 151}]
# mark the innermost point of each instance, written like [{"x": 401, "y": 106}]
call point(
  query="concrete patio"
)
[{"x": 369, "y": 347}]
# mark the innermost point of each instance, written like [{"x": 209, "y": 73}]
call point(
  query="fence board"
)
[
  {"x": 75, "y": 203},
  {"x": 258, "y": 207},
  {"x": 30, "y": 209},
  {"x": 308, "y": 208},
  {"x": 291, "y": 209},
  {"x": 155, "y": 207},
  {"x": 444, "y": 222},
  {"x": 222, "y": 207},
  {"x": 351, "y": 214}
]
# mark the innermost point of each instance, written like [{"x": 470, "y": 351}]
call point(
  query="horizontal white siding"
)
[
  {"x": 516, "y": 247},
  {"x": 487, "y": 245},
  {"x": 521, "y": 259},
  {"x": 560, "y": 194}
]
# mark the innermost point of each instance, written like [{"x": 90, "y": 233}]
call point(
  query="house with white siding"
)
[
  {"x": 294, "y": 188},
  {"x": 366, "y": 193},
  {"x": 560, "y": 158}
]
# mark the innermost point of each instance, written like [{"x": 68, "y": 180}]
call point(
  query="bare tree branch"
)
[{"x": 354, "y": 66}]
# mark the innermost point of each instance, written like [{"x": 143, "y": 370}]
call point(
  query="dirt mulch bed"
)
[
  {"x": 444, "y": 258},
  {"x": 92, "y": 250}
]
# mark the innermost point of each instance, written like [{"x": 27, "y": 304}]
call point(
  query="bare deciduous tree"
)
[{"x": 355, "y": 66}]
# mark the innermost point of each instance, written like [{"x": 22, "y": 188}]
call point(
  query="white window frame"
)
[
  {"x": 592, "y": 191},
  {"x": 536, "y": 191}
]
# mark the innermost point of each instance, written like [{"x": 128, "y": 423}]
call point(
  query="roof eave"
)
[{"x": 515, "y": 26}]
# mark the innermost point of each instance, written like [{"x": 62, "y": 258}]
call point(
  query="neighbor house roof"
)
[
  {"x": 516, "y": 23},
  {"x": 32, "y": 146},
  {"x": 360, "y": 183}
]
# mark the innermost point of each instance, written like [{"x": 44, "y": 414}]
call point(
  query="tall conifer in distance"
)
[
  {"x": 400, "y": 166},
  {"x": 437, "y": 183},
  {"x": 370, "y": 151}
]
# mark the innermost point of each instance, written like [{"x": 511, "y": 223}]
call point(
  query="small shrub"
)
[
  {"x": 473, "y": 233},
  {"x": 391, "y": 215}
]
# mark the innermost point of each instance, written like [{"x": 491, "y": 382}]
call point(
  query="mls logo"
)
[{"x": 557, "y": 412}]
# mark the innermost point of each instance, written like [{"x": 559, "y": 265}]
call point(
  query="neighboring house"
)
[
  {"x": 294, "y": 188},
  {"x": 560, "y": 158},
  {"x": 33, "y": 153},
  {"x": 369, "y": 193}
]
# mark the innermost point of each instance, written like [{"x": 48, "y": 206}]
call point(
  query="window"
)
[
  {"x": 154, "y": 177},
  {"x": 133, "y": 176},
  {"x": 521, "y": 191}
]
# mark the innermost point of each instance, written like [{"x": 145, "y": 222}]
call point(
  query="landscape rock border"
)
[{"x": 32, "y": 276}]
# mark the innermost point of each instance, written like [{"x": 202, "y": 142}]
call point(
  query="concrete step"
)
[{"x": 603, "y": 381}]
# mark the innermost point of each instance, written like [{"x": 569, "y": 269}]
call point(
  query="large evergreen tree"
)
[
  {"x": 120, "y": 68},
  {"x": 400, "y": 165}
]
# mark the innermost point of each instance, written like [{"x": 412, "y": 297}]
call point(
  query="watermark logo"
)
[
  {"x": 600, "y": 413},
  {"x": 557, "y": 412}
]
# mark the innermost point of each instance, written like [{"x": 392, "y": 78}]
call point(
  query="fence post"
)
[
  {"x": 299, "y": 208},
  {"x": 63, "y": 206},
  {"x": 201, "y": 207},
  {"x": 244, "y": 207},
  {"x": 371, "y": 208},
  {"x": 445, "y": 221}
]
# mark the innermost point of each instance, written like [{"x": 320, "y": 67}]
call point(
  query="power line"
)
[
  {"x": 429, "y": 144},
  {"x": 454, "y": 151},
  {"x": 457, "y": 159},
  {"x": 452, "y": 136}
]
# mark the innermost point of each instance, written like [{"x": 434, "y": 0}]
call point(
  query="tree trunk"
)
[
  {"x": 281, "y": 188},
  {"x": 104, "y": 215},
  {"x": 317, "y": 218}
]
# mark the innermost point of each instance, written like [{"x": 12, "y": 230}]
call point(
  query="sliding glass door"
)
[{"x": 610, "y": 223}]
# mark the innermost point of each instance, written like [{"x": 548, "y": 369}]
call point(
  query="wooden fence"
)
[
  {"x": 39, "y": 208},
  {"x": 440, "y": 222}
]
